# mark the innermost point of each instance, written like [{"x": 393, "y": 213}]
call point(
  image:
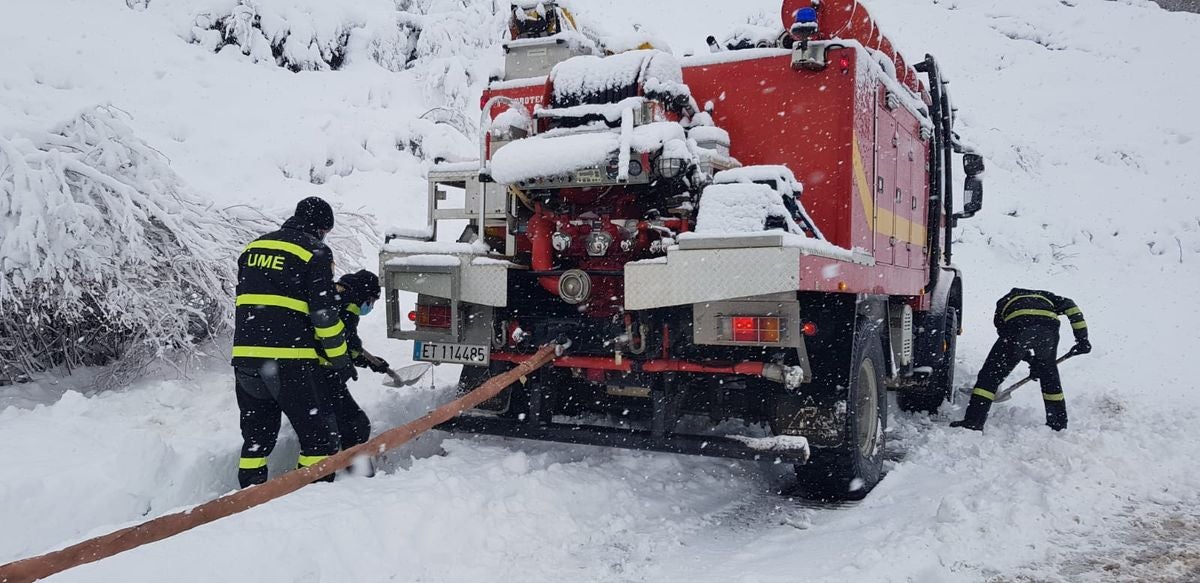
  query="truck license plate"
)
[{"x": 455, "y": 353}]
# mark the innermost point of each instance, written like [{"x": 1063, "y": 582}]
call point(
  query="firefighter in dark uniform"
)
[
  {"x": 357, "y": 293},
  {"x": 287, "y": 336},
  {"x": 1027, "y": 321}
]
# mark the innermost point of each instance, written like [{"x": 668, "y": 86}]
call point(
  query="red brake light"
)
[
  {"x": 809, "y": 329},
  {"x": 757, "y": 329},
  {"x": 745, "y": 329},
  {"x": 412, "y": 316},
  {"x": 433, "y": 316}
]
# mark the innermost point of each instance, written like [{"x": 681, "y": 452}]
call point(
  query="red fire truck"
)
[{"x": 745, "y": 249}]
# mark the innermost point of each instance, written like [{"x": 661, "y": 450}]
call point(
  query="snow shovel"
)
[
  {"x": 1006, "y": 394},
  {"x": 408, "y": 375}
]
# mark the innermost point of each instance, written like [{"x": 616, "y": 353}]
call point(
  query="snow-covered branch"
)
[{"x": 107, "y": 256}]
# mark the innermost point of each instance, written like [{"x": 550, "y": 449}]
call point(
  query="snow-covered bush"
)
[
  {"x": 452, "y": 40},
  {"x": 456, "y": 48},
  {"x": 348, "y": 150},
  {"x": 104, "y": 252},
  {"x": 304, "y": 35},
  {"x": 106, "y": 256}
]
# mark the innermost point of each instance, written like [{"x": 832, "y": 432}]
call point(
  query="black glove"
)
[
  {"x": 345, "y": 374},
  {"x": 375, "y": 363},
  {"x": 1082, "y": 346}
]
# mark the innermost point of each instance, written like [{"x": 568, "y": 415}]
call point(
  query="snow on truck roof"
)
[
  {"x": 740, "y": 208},
  {"x": 578, "y": 77},
  {"x": 775, "y": 173},
  {"x": 554, "y": 153}
]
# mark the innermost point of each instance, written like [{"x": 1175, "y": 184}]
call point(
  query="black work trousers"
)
[
  {"x": 297, "y": 389},
  {"x": 1036, "y": 343},
  {"x": 353, "y": 425}
]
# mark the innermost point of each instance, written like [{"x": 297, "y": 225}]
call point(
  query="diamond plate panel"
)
[
  {"x": 710, "y": 275},
  {"x": 485, "y": 284}
]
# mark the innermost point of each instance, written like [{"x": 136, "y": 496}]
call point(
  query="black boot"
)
[
  {"x": 1056, "y": 415},
  {"x": 977, "y": 412},
  {"x": 252, "y": 476}
]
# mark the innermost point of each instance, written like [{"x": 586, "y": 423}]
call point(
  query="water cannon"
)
[{"x": 805, "y": 26}]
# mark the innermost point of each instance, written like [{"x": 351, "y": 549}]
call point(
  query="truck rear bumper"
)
[{"x": 792, "y": 450}]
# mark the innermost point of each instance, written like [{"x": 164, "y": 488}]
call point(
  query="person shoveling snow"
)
[{"x": 1027, "y": 321}]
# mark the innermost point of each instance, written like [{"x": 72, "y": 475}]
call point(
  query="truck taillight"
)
[
  {"x": 433, "y": 316},
  {"x": 757, "y": 328}
]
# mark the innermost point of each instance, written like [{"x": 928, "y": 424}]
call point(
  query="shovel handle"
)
[{"x": 1006, "y": 394}]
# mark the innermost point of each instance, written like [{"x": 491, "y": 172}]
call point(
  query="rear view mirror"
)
[
  {"x": 973, "y": 164},
  {"x": 974, "y": 167}
]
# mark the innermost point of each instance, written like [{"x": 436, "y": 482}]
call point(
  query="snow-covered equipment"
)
[
  {"x": 542, "y": 34},
  {"x": 761, "y": 235},
  {"x": 102, "y": 547}
]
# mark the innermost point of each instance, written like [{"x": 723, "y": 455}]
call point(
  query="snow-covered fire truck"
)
[{"x": 760, "y": 235}]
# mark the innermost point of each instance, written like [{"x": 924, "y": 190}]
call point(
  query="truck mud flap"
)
[{"x": 764, "y": 449}]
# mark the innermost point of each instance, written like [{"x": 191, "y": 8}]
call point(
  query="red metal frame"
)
[{"x": 657, "y": 365}]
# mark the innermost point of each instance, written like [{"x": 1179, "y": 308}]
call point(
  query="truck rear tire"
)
[
  {"x": 941, "y": 381},
  {"x": 849, "y": 471}
]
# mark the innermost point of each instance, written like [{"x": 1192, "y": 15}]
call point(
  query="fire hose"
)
[{"x": 102, "y": 547}]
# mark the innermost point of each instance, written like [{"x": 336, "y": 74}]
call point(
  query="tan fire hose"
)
[{"x": 102, "y": 547}]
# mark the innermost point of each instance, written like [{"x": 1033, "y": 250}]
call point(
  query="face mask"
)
[{"x": 365, "y": 309}]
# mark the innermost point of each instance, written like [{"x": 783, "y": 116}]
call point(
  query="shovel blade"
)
[{"x": 408, "y": 375}]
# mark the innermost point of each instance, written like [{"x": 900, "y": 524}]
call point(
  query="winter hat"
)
[
  {"x": 315, "y": 212},
  {"x": 361, "y": 286}
]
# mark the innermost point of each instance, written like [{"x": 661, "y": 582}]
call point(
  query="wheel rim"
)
[{"x": 868, "y": 408}]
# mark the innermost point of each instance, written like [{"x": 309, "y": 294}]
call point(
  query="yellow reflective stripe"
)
[
  {"x": 1054, "y": 396},
  {"x": 273, "y": 300},
  {"x": 336, "y": 352},
  {"x": 1019, "y": 313},
  {"x": 1079, "y": 325},
  {"x": 986, "y": 394},
  {"x": 1073, "y": 311},
  {"x": 1038, "y": 296},
  {"x": 331, "y": 331},
  {"x": 304, "y": 254},
  {"x": 252, "y": 463},
  {"x": 272, "y": 352},
  {"x": 354, "y": 309},
  {"x": 310, "y": 460}
]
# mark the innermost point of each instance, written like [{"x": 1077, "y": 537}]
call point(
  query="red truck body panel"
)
[{"x": 864, "y": 165}]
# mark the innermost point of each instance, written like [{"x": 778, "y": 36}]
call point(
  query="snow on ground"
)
[{"x": 1083, "y": 111}]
